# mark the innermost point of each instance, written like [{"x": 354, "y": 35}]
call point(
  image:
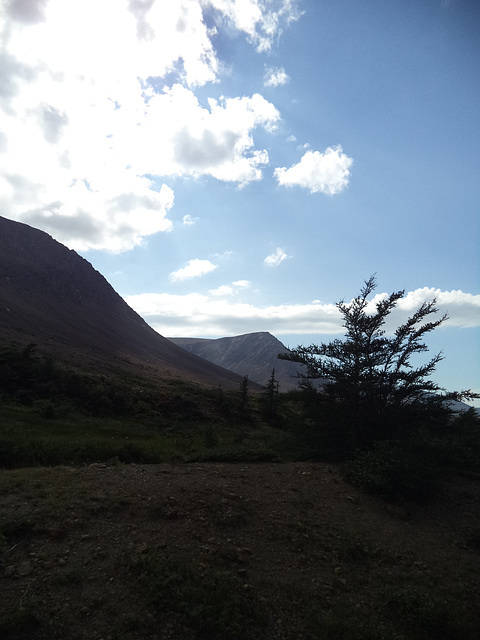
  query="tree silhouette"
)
[{"x": 374, "y": 389}]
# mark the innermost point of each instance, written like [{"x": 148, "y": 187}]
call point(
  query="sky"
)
[{"x": 233, "y": 166}]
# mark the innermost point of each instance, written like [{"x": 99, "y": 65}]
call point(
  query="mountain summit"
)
[
  {"x": 51, "y": 296},
  {"x": 252, "y": 354}
]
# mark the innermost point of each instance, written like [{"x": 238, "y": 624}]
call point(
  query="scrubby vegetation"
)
[
  {"x": 51, "y": 414},
  {"x": 380, "y": 411}
]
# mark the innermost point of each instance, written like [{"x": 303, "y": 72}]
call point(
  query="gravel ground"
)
[{"x": 224, "y": 551}]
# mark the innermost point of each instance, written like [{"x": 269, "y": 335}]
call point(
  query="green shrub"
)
[{"x": 394, "y": 470}]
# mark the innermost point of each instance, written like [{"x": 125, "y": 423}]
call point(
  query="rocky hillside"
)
[
  {"x": 252, "y": 354},
  {"x": 51, "y": 296}
]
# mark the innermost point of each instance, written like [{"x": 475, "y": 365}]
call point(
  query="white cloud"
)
[
  {"x": 27, "y": 11},
  {"x": 81, "y": 129},
  {"x": 214, "y": 315},
  {"x": 193, "y": 269},
  {"x": 242, "y": 284},
  {"x": 261, "y": 21},
  {"x": 275, "y": 258},
  {"x": 230, "y": 290},
  {"x": 326, "y": 172},
  {"x": 198, "y": 141},
  {"x": 275, "y": 77},
  {"x": 84, "y": 217},
  {"x": 189, "y": 220},
  {"x": 222, "y": 291},
  {"x": 462, "y": 308}
]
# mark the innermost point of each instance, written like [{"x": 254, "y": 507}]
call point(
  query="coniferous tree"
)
[
  {"x": 374, "y": 390},
  {"x": 272, "y": 390},
  {"x": 244, "y": 391}
]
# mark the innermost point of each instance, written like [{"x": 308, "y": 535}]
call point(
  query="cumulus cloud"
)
[
  {"x": 230, "y": 290},
  {"x": 242, "y": 284},
  {"x": 93, "y": 132},
  {"x": 212, "y": 315},
  {"x": 274, "y": 77},
  {"x": 86, "y": 218},
  {"x": 193, "y": 269},
  {"x": 275, "y": 258},
  {"x": 27, "y": 11},
  {"x": 222, "y": 291},
  {"x": 462, "y": 308},
  {"x": 216, "y": 141},
  {"x": 326, "y": 172},
  {"x": 219, "y": 314},
  {"x": 261, "y": 21}
]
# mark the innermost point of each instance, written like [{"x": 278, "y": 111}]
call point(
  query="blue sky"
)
[{"x": 234, "y": 166}]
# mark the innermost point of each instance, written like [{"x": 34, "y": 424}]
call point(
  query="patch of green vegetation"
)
[
  {"x": 52, "y": 415},
  {"x": 210, "y": 603},
  {"x": 393, "y": 470}
]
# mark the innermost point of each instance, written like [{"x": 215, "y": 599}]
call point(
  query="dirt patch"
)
[{"x": 224, "y": 551}]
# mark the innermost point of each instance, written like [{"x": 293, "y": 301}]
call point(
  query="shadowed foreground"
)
[{"x": 224, "y": 551}]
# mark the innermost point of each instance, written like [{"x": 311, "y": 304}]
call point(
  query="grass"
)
[
  {"x": 30, "y": 439},
  {"x": 209, "y": 603},
  {"x": 51, "y": 415}
]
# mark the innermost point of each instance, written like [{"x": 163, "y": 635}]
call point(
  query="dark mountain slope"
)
[
  {"x": 51, "y": 296},
  {"x": 252, "y": 354}
]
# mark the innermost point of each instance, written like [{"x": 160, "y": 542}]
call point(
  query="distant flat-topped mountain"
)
[
  {"x": 252, "y": 354},
  {"x": 51, "y": 296}
]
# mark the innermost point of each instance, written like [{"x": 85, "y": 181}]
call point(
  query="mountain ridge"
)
[
  {"x": 253, "y": 354},
  {"x": 51, "y": 296}
]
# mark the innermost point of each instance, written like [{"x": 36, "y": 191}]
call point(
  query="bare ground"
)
[{"x": 223, "y": 551}]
